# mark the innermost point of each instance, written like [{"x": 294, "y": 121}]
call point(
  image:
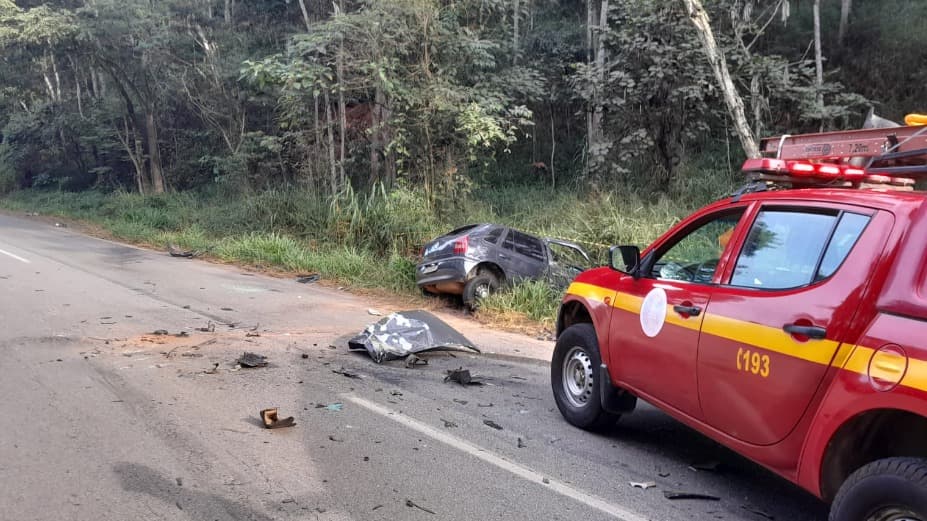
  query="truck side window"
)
[
  {"x": 848, "y": 230},
  {"x": 695, "y": 256},
  {"x": 509, "y": 242},
  {"x": 784, "y": 248}
]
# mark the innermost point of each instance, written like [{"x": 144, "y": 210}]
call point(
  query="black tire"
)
[
  {"x": 574, "y": 378},
  {"x": 890, "y": 489},
  {"x": 479, "y": 287}
]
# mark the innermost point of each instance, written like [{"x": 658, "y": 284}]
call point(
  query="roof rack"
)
[{"x": 878, "y": 158}]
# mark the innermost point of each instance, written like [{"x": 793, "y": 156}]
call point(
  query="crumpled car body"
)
[
  {"x": 500, "y": 254},
  {"x": 400, "y": 334}
]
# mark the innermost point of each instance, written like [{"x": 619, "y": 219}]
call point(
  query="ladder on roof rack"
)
[{"x": 896, "y": 151}]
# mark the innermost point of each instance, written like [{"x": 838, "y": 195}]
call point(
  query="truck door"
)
[
  {"x": 656, "y": 321},
  {"x": 772, "y": 330}
]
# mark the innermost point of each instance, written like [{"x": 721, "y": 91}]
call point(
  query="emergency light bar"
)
[{"x": 819, "y": 171}]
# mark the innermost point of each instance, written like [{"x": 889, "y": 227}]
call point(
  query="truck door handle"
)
[
  {"x": 692, "y": 311},
  {"x": 815, "y": 332}
]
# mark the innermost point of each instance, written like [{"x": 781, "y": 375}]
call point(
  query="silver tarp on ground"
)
[{"x": 401, "y": 334}]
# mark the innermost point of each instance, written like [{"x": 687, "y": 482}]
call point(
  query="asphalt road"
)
[{"x": 102, "y": 420}]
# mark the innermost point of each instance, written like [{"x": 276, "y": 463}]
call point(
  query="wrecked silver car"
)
[{"x": 475, "y": 260}]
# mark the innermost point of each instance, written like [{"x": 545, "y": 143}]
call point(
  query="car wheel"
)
[
  {"x": 479, "y": 287},
  {"x": 891, "y": 489},
  {"x": 574, "y": 378}
]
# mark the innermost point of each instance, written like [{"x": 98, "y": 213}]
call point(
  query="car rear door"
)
[
  {"x": 654, "y": 329},
  {"x": 774, "y": 327},
  {"x": 522, "y": 256}
]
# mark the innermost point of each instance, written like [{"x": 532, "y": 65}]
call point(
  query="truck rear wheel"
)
[
  {"x": 890, "y": 489},
  {"x": 574, "y": 378}
]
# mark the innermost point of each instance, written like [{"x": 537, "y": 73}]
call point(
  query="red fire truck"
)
[{"x": 787, "y": 322}]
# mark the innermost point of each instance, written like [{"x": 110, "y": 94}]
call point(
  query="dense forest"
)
[{"x": 436, "y": 95}]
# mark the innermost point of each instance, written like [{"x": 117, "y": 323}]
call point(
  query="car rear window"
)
[{"x": 493, "y": 236}]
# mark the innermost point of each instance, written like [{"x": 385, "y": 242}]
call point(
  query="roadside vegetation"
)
[{"x": 338, "y": 137}]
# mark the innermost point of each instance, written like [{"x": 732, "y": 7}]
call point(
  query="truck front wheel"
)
[
  {"x": 890, "y": 489},
  {"x": 574, "y": 378}
]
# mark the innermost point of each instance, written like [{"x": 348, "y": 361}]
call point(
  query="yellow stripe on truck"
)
[{"x": 850, "y": 357}]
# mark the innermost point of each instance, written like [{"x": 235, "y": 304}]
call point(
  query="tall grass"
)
[{"x": 371, "y": 240}]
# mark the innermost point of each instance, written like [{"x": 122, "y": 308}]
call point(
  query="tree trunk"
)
[
  {"x": 302, "y": 7},
  {"x": 515, "y": 17},
  {"x": 54, "y": 63},
  {"x": 553, "y": 149},
  {"x": 732, "y": 99},
  {"x": 590, "y": 21},
  {"x": 341, "y": 108},
  {"x": 154, "y": 154},
  {"x": 601, "y": 60},
  {"x": 331, "y": 142},
  {"x": 818, "y": 64},
  {"x": 845, "y": 6},
  {"x": 375, "y": 144},
  {"x": 228, "y": 11}
]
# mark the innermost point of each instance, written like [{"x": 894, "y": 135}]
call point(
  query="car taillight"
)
[{"x": 461, "y": 245}]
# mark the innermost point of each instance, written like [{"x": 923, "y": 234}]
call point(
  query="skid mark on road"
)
[
  {"x": 14, "y": 256},
  {"x": 519, "y": 470}
]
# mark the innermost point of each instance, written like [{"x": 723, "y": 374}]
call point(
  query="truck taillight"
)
[{"x": 461, "y": 245}]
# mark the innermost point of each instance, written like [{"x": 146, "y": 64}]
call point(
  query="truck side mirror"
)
[{"x": 629, "y": 261}]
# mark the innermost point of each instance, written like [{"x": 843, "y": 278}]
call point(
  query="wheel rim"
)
[
  {"x": 893, "y": 514},
  {"x": 578, "y": 377},
  {"x": 483, "y": 290}
]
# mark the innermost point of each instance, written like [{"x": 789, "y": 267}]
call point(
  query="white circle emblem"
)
[{"x": 653, "y": 312}]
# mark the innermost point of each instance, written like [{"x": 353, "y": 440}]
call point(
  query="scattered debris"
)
[
  {"x": 160, "y": 332},
  {"x": 461, "y": 402},
  {"x": 395, "y": 393},
  {"x": 669, "y": 494},
  {"x": 335, "y": 407},
  {"x": 179, "y": 481},
  {"x": 345, "y": 373},
  {"x": 757, "y": 512},
  {"x": 252, "y": 360},
  {"x": 210, "y": 328},
  {"x": 521, "y": 444},
  {"x": 252, "y": 334},
  {"x": 226, "y": 309},
  {"x": 492, "y": 424},
  {"x": 412, "y": 361},
  {"x": 399, "y": 334},
  {"x": 308, "y": 279},
  {"x": 272, "y": 421},
  {"x": 461, "y": 376},
  {"x": 377, "y": 507},
  {"x": 410, "y": 504},
  {"x": 484, "y": 404},
  {"x": 175, "y": 251},
  {"x": 663, "y": 474},
  {"x": 708, "y": 466},
  {"x": 332, "y": 438},
  {"x": 545, "y": 481},
  {"x": 642, "y": 484},
  {"x": 214, "y": 370},
  {"x": 374, "y": 312},
  {"x": 182, "y": 334},
  {"x": 448, "y": 424},
  {"x": 305, "y": 356}
]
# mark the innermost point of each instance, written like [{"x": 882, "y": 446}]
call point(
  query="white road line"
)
[
  {"x": 504, "y": 464},
  {"x": 17, "y": 257}
]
